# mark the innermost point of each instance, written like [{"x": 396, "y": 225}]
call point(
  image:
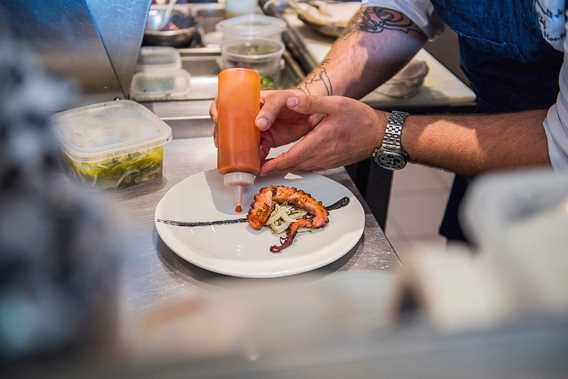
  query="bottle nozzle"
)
[
  {"x": 239, "y": 181},
  {"x": 238, "y": 191}
]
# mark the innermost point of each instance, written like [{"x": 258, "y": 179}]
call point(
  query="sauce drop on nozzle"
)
[
  {"x": 239, "y": 182},
  {"x": 238, "y": 103}
]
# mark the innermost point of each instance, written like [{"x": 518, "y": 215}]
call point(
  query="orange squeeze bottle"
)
[{"x": 238, "y": 103}]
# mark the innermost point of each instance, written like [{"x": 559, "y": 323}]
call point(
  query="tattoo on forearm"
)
[
  {"x": 376, "y": 20},
  {"x": 318, "y": 77}
]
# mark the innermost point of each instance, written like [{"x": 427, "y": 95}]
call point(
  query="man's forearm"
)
[
  {"x": 376, "y": 45},
  {"x": 473, "y": 144}
]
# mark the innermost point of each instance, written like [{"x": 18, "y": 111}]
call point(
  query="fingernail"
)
[
  {"x": 262, "y": 123},
  {"x": 292, "y": 102}
]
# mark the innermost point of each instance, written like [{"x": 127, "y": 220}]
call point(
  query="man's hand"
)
[
  {"x": 278, "y": 123},
  {"x": 348, "y": 132}
]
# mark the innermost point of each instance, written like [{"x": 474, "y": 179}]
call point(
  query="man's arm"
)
[
  {"x": 376, "y": 45},
  {"x": 472, "y": 144}
]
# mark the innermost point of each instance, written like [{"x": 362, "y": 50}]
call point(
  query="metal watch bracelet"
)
[{"x": 390, "y": 154}]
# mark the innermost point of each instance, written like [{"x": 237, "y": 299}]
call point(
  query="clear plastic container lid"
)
[
  {"x": 101, "y": 131},
  {"x": 253, "y": 50},
  {"x": 251, "y": 26},
  {"x": 160, "y": 85},
  {"x": 158, "y": 58}
]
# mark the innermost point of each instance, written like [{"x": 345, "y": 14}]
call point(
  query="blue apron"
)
[{"x": 508, "y": 63}]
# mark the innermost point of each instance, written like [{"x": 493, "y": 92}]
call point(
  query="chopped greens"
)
[
  {"x": 266, "y": 82},
  {"x": 122, "y": 171},
  {"x": 282, "y": 216}
]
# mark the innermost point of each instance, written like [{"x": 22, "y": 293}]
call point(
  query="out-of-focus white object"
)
[
  {"x": 235, "y": 8},
  {"x": 154, "y": 58},
  {"x": 407, "y": 82},
  {"x": 250, "y": 318},
  {"x": 523, "y": 232},
  {"x": 519, "y": 223}
]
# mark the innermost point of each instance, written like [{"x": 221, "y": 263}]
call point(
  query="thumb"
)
[{"x": 314, "y": 104}]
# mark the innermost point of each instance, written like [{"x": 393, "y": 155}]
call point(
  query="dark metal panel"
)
[
  {"x": 121, "y": 26},
  {"x": 64, "y": 35}
]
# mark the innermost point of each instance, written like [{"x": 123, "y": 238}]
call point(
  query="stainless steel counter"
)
[{"x": 152, "y": 273}]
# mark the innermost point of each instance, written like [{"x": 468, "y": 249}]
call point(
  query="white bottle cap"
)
[
  {"x": 239, "y": 181},
  {"x": 238, "y": 178}
]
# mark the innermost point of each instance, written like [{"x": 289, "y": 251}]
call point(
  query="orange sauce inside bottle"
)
[{"x": 238, "y": 103}]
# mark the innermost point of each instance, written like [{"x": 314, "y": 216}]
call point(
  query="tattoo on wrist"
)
[
  {"x": 376, "y": 20},
  {"x": 318, "y": 77}
]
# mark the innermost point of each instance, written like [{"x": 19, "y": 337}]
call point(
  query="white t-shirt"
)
[{"x": 553, "y": 25}]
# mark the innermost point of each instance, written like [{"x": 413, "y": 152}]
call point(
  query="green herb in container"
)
[{"x": 113, "y": 145}]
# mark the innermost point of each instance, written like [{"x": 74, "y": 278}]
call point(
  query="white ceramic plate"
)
[{"x": 237, "y": 249}]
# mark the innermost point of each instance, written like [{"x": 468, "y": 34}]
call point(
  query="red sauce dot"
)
[{"x": 238, "y": 209}]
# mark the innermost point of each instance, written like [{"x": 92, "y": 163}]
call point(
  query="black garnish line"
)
[
  {"x": 343, "y": 202},
  {"x": 202, "y": 223}
]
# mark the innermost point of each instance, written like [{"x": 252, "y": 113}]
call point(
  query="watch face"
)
[{"x": 393, "y": 161}]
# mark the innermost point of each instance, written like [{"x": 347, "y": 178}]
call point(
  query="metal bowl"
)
[{"x": 181, "y": 37}]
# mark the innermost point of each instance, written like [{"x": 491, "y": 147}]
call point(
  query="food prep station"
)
[
  {"x": 170, "y": 317},
  {"x": 154, "y": 272}
]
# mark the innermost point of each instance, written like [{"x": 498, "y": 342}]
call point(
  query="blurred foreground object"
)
[
  {"x": 57, "y": 267},
  {"x": 519, "y": 223}
]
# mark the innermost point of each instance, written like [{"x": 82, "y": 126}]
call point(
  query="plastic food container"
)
[
  {"x": 113, "y": 145},
  {"x": 252, "y": 26},
  {"x": 158, "y": 58},
  {"x": 160, "y": 85},
  {"x": 263, "y": 55},
  {"x": 235, "y": 8}
]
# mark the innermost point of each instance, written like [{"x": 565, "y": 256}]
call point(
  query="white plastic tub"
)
[
  {"x": 160, "y": 85},
  {"x": 158, "y": 58}
]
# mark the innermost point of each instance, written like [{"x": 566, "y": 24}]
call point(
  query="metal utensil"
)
[{"x": 168, "y": 14}]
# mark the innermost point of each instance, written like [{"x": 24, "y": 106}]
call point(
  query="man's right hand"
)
[{"x": 279, "y": 125}]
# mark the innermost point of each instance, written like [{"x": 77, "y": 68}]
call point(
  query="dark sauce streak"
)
[
  {"x": 202, "y": 223},
  {"x": 343, "y": 202}
]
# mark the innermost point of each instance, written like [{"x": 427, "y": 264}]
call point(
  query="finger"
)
[
  {"x": 315, "y": 119},
  {"x": 315, "y": 104},
  {"x": 272, "y": 106},
  {"x": 215, "y": 138},
  {"x": 264, "y": 150},
  {"x": 213, "y": 110},
  {"x": 288, "y": 161},
  {"x": 266, "y": 143}
]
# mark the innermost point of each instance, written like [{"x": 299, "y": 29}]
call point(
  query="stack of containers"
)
[
  {"x": 254, "y": 41},
  {"x": 113, "y": 145},
  {"x": 160, "y": 76}
]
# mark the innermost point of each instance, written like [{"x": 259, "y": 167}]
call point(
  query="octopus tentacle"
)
[{"x": 264, "y": 203}]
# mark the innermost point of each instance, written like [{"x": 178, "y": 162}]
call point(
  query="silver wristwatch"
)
[{"x": 390, "y": 154}]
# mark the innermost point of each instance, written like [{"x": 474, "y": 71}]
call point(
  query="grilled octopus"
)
[{"x": 264, "y": 204}]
